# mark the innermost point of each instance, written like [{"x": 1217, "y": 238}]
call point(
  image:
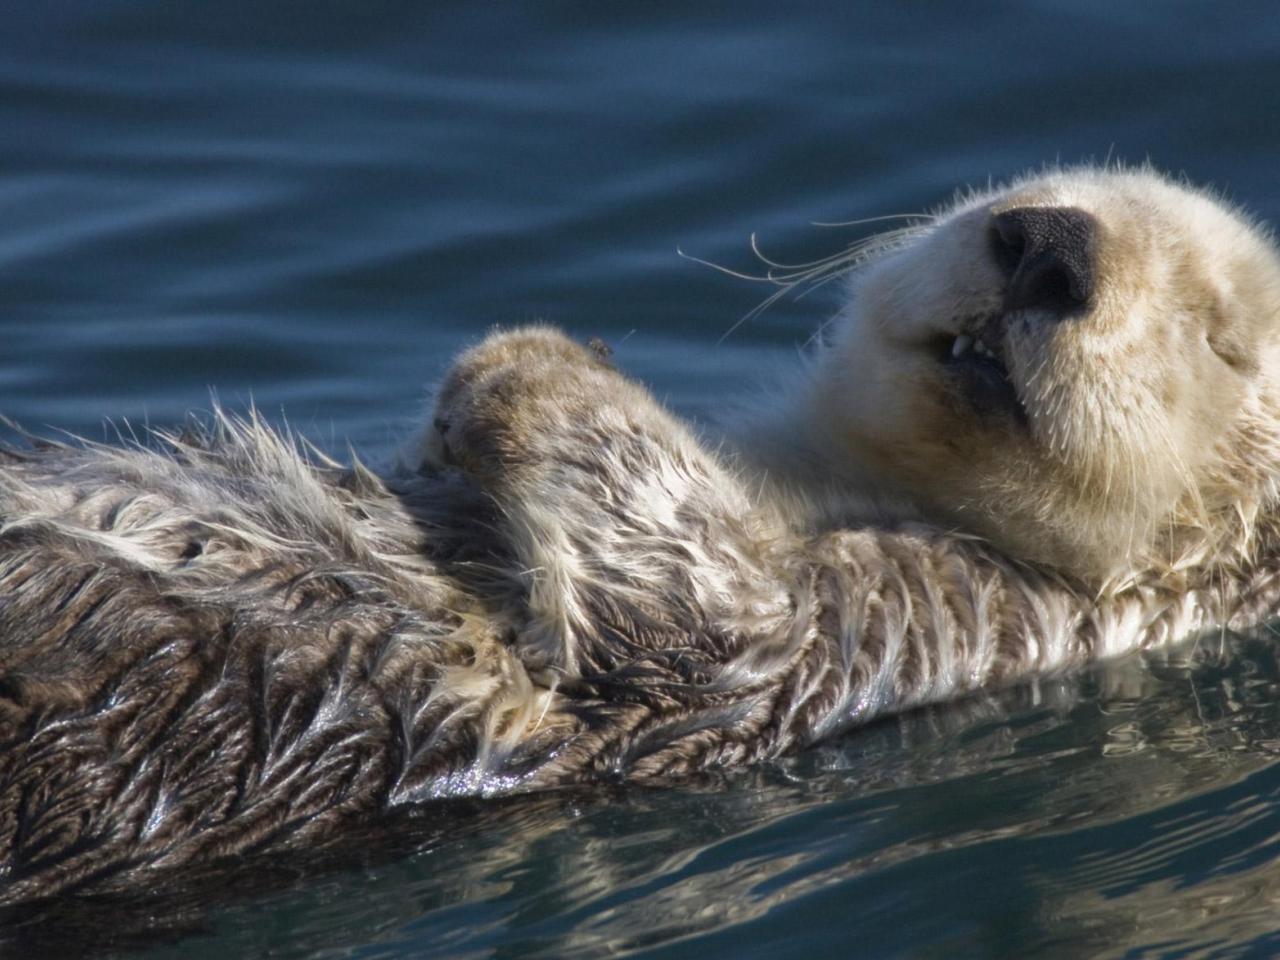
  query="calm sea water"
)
[{"x": 311, "y": 206}]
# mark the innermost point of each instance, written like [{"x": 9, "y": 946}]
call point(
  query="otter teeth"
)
[{"x": 964, "y": 343}]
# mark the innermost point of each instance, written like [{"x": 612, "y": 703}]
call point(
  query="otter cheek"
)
[
  {"x": 871, "y": 402},
  {"x": 933, "y": 441},
  {"x": 869, "y": 414},
  {"x": 1203, "y": 406}
]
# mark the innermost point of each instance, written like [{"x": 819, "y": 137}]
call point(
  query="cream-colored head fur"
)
[{"x": 1140, "y": 431}]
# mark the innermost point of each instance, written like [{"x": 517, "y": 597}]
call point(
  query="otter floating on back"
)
[{"x": 1046, "y": 429}]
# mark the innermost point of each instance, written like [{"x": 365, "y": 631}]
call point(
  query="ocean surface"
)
[{"x": 311, "y": 206}]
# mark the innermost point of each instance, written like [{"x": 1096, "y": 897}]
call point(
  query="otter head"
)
[{"x": 1078, "y": 367}]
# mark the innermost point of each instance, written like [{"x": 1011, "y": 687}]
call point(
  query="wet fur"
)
[{"x": 222, "y": 642}]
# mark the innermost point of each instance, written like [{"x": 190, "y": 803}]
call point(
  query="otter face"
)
[{"x": 1061, "y": 366}]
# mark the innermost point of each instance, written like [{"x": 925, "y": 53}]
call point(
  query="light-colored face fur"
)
[{"x": 1136, "y": 414}]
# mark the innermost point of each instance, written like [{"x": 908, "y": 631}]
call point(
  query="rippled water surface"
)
[{"x": 312, "y": 206}]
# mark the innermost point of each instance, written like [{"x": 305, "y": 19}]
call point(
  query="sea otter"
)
[{"x": 1043, "y": 430}]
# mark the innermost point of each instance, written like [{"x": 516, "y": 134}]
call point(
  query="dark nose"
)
[{"x": 1048, "y": 255}]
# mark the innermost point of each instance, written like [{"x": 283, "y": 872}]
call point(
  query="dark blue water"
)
[{"x": 311, "y": 206}]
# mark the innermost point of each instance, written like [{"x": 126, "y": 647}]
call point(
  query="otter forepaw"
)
[{"x": 504, "y": 400}]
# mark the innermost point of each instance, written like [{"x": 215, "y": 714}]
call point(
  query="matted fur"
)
[{"x": 220, "y": 641}]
